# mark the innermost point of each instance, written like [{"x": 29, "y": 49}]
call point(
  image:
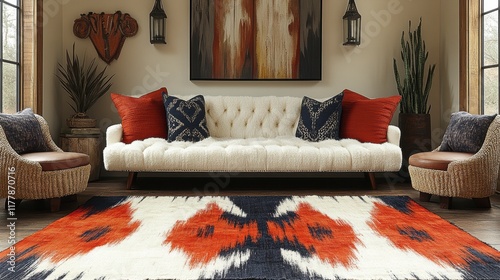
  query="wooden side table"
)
[{"x": 86, "y": 143}]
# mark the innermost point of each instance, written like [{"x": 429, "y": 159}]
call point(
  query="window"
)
[
  {"x": 489, "y": 58},
  {"x": 21, "y": 56},
  {"x": 479, "y": 56},
  {"x": 10, "y": 55}
]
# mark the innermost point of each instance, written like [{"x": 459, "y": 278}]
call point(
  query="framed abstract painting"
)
[{"x": 255, "y": 40}]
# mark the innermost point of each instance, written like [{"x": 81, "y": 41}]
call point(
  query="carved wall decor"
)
[{"x": 106, "y": 31}]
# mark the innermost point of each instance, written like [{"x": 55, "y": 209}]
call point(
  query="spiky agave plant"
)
[
  {"x": 413, "y": 90},
  {"x": 84, "y": 83}
]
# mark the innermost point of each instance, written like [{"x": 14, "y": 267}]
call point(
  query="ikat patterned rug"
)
[{"x": 259, "y": 237}]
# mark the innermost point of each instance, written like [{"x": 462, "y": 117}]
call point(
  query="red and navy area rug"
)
[{"x": 260, "y": 237}]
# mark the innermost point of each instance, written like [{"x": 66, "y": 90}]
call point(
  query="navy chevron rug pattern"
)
[{"x": 244, "y": 237}]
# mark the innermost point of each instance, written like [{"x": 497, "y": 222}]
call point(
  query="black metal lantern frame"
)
[
  {"x": 352, "y": 25},
  {"x": 157, "y": 24}
]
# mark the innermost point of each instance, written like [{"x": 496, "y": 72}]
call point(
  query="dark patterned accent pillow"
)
[
  {"x": 320, "y": 120},
  {"x": 186, "y": 119},
  {"x": 23, "y": 132},
  {"x": 466, "y": 132}
]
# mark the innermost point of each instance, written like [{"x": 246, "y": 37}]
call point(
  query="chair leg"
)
[
  {"x": 425, "y": 197},
  {"x": 482, "y": 202},
  {"x": 14, "y": 206},
  {"x": 55, "y": 204},
  {"x": 445, "y": 202}
]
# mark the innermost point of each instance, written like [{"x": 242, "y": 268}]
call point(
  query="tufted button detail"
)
[
  {"x": 277, "y": 124},
  {"x": 246, "y": 124},
  {"x": 225, "y": 110},
  {"x": 216, "y": 124}
]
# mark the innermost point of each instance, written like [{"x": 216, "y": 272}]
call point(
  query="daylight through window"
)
[
  {"x": 490, "y": 56},
  {"x": 10, "y": 55}
]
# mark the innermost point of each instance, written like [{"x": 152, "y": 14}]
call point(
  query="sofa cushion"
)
[
  {"x": 142, "y": 117},
  {"x": 437, "y": 160},
  {"x": 186, "y": 119},
  {"x": 320, "y": 120},
  {"x": 52, "y": 161},
  {"x": 280, "y": 154},
  {"x": 466, "y": 132},
  {"x": 367, "y": 119},
  {"x": 23, "y": 132}
]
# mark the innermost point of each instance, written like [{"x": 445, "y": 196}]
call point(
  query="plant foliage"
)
[
  {"x": 84, "y": 83},
  {"x": 413, "y": 90}
]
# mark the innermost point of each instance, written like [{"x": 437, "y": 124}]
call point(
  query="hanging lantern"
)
[
  {"x": 157, "y": 24},
  {"x": 352, "y": 25}
]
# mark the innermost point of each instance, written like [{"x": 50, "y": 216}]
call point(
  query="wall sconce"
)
[
  {"x": 157, "y": 21},
  {"x": 352, "y": 25}
]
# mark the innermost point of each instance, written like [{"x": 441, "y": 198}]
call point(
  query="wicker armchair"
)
[
  {"x": 45, "y": 175},
  {"x": 458, "y": 174}
]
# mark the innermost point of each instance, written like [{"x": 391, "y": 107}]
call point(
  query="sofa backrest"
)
[{"x": 250, "y": 117}]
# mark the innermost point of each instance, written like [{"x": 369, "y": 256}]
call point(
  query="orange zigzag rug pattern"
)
[{"x": 243, "y": 237}]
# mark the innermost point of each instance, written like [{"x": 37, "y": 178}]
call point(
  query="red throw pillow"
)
[
  {"x": 142, "y": 117},
  {"x": 367, "y": 119}
]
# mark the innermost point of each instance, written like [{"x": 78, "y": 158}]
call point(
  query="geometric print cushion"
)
[
  {"x": 320, "y": 120},
  {"x": 466, "y": 132},
  {"x": 23, "y": 132},
  {"x": 186, "y": 119}
]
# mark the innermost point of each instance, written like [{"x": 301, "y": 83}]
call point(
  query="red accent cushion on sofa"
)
[
  {"x": 367, "y": 119},
  {"x": 142, "y": 117}
]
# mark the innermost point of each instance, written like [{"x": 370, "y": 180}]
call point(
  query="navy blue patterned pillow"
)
[
  {"x": 23, "y": 132},
  {"x": 186, "y": 119},
  {"x": 466, "y": 132},
  {"x": 320, "y": 120}
]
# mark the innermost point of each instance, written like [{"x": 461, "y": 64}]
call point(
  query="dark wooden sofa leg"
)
[
  {"x": 371, "y": 176},
  {"x": 132, "y": 176},
  {"x": 482, "y": 202}
]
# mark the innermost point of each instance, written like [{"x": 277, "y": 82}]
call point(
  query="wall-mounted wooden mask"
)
[{"x": 106, "y": 31}]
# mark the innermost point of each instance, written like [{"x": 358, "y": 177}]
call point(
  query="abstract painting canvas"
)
[{"x": 255, "y": 40}]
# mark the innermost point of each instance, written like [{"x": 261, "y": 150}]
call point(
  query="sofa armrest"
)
[
  {"x": 393, "y": 134},
  {"x": 114, "y": 134}
]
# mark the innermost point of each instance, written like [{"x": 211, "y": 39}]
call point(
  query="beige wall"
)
[
  {"x": 449, "y": 61},
  {"x": 52, "y": 50},
  {"x": 143, "y": 67}
]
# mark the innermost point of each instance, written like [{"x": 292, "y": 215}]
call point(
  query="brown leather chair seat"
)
[
  {"x": 437, "y": 160},
  {"x": 52, "y": 161}
]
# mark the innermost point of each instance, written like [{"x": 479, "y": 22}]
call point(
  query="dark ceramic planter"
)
[{"x": 415, "y": 136}]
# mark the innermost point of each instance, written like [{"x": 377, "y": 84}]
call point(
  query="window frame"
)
[{"x": 470, "y": 54}]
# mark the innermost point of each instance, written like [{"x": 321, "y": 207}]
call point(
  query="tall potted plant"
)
[
  {"x": 414, "y": 87},
  {"x": 85, "y": 84}
]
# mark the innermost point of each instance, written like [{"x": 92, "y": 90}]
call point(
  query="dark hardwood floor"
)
[{"x": 34, "y": 215}]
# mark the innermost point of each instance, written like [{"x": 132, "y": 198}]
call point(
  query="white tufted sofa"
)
[{"x": 251, "y": 134}]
